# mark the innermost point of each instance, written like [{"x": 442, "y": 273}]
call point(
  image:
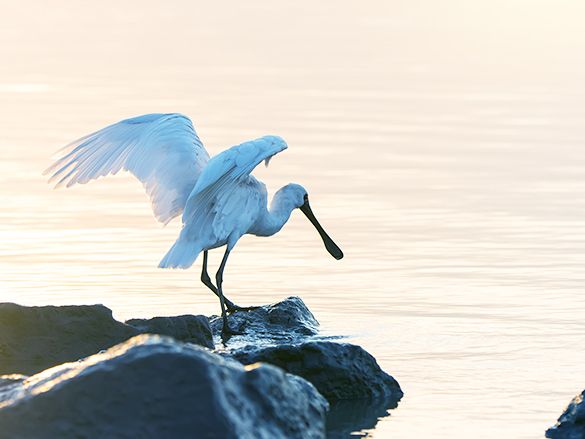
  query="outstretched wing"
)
[
  {"x": 162, "y": 150},
  {"x": 229, "y": 168}
]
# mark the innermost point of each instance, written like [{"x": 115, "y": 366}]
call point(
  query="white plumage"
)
[
  {"x": 219, "y": 198},
  {"x": 225, "y": 202},
  {"x": 161, "y": 150}
]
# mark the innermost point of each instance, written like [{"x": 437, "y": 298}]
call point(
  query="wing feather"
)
[
  {"x": 162, "y": 150},
  {"x": 239, "y": 160},
  {"x": 227, "y": 168}
]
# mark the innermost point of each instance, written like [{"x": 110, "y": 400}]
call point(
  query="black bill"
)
[{"x": 329, "y": 244}]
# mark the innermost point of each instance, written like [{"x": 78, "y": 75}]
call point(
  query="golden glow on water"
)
[{"x": 441, "y": 143}]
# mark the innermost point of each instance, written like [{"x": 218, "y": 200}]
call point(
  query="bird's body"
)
[
  {"x": 226, "y": 203},
  {"x": 219, "y": 221},
  {"x": 219, "y": 198}
]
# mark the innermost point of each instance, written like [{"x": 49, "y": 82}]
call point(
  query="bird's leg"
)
[
  {"x": 226, "y": 331},
  {"x": 230, "y": 306}
]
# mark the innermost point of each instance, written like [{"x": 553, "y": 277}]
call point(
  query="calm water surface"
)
[{"x": 442, "y": 147}]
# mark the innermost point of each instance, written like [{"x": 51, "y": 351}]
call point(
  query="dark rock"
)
[
  {"x": 187, "y": 328},
  {"x": 571, "y": 424},
  {"x": 284, "y": 334},
  {"x": 35, "y": 338},
  {"x": 337, "y": 370},
  {"x": 155, "y": 387},
  {"x": 279, "y": 322}
]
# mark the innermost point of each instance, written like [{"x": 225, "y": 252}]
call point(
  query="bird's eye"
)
[{"x": 306, "y": 198}]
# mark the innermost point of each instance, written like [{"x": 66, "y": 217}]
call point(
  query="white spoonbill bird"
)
[{"x": 219, "y": 198}]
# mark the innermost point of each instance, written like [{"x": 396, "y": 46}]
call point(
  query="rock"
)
[
  {"x": 187, "y": 328},
  {"x": 337, "y": 370},
  {"x": 283, "y": 334},
  {"x": 571, "y": 424},
  {"x": 279, "y": 322},
  {"x": 156, "y": 387},
  {"x": 35, "y": 338}
]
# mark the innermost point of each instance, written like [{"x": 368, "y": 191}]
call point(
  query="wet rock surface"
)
[
  {"x": 35, "y": 338},
  {"x": 358, "y": 390},
  {"x": 156, "y": 387},
  {"x": 571, "y": 424},
  {"x": 285, "y": 334},
  {"x": 279, "y": 322},
  {"x": 337, "y": 370}
]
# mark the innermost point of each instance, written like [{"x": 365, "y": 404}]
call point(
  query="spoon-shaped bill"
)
[{"x": 329, "y": 244}]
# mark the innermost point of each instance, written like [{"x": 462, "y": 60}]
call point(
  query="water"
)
[{"x": 441, "y": 144}]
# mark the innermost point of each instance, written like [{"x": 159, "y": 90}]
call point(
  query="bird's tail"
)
[{"x": 181, "y": 255}]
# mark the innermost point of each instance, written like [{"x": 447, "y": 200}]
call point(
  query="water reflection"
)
[{"x": 356, "y": 418}]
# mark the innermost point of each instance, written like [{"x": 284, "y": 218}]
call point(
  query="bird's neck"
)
[{"x": 273, "y": 219}]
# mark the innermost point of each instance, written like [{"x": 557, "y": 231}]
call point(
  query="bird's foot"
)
[
  {"x": 232, "y": 308},
  {"x": 227, "y": 332}
]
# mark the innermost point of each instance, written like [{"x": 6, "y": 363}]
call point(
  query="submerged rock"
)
[
  {"x": 278, "y": 322},
  {"x": 35, "y": 338},
  {"x": 155, "y": 387},
  {"x": 337, "y": 370},
  {"x": 571, "y": 424}
]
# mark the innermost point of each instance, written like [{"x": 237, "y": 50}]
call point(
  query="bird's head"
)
[{"x": 299, "y": 198}]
